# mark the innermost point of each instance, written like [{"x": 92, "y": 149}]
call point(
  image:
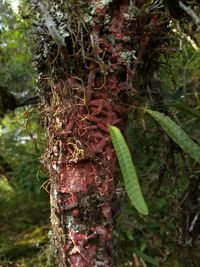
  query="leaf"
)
[
  {"x": 177, "y": 134},
  {"x": 146, "y": 257},
  {"x": 182, "y": 106},
  {"x": 128, "y": 170}
]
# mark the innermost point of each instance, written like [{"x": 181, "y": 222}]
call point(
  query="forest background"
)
[{"x": 168, "y": 177}]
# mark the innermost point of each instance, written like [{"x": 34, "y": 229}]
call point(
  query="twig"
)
[{"x": 191, "y": 13}]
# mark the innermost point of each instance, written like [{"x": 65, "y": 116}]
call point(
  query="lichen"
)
[{"x": 128, "y": 56}]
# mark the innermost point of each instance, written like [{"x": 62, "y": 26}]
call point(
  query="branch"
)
[
  {"x": 188, "y": 38},
  {"x": 27, "y": 101},
  {"x": 9, "y": 102},
  {"x": 191, "y": 13},
  {"x": 51, "y": 26}
]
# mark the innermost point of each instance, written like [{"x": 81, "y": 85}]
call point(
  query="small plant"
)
[
  {"x": 128, "y": 170},
  {"x": 176, "y": 133}
]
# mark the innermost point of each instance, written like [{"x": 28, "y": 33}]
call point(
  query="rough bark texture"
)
[{"x": 86, "y": 85}]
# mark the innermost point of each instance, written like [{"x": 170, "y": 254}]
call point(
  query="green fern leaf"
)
[
  {"x": 128, "y": 170},
  {"x": 177, "y": 135}
]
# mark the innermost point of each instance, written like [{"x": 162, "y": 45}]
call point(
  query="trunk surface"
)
[{"x": 87, "y": 81}]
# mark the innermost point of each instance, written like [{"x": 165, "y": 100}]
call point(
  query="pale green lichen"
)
[
  {"x": 99, "y": 4},
  {"x": 103, "y": 3},
  {"x": 63, "y": 31},
  {"x": 88, "y": 19},
  {"x": 107, "y": 19},
  {"x": 128, "y": 56}
]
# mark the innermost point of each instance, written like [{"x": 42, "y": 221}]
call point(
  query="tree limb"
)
[
  {"x": 191, "y": 13},
  {"x": 27, "y": 101},
  {"x": 9, "y": 102}
]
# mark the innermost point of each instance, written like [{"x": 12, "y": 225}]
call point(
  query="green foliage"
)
[
  {"x": 15, "y": 61},
  {"x": 177, "y": 134},
  {"x": 128, "y": 170},
  {"x": 23, "y": 227},
  {"x": 163, "y": 168},
  {"x": 183, "y": 107},
  {"x": 22, "y": 142},
  {"x": 24, "y": 205},
  {"x": 146, "y": 258}
]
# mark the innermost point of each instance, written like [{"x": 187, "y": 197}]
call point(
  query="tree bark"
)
[{"x": 86, "y": 83}]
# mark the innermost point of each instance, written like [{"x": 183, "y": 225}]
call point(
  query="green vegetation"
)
[
  {"x": 24, "y": 209},
  {"x": 128, "y": 171},
  {"x": 177, "y": 134},
  {"x": 23, "y": 227}
]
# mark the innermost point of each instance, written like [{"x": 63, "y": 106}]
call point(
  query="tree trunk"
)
[{"x": 87, "y": 57}]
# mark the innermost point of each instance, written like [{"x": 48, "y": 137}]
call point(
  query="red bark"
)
[{"x": 80, "y": 156}]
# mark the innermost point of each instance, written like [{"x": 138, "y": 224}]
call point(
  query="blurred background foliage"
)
[
  {"x": 15, "y": 68},
  {"x": 24, "y": 208},
  {"x": 170, "y": 180}
]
